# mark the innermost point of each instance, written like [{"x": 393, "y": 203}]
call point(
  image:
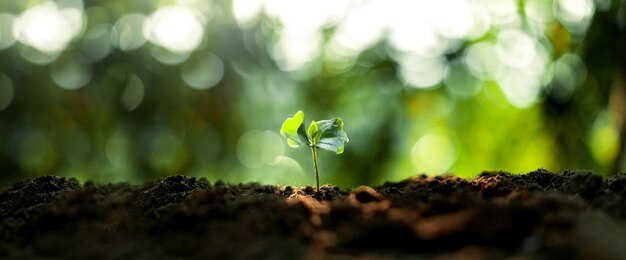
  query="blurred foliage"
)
[{"x": 132, "y": 90}]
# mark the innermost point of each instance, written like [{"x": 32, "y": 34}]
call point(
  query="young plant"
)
[{"x": 324, "y": 134}]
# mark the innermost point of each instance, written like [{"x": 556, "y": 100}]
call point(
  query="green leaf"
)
[
  {"x": 330, "y": 135},
  {"x": 292, "y": 144},
  {"x": 293, "y": 129},
  {"x": 313, "y": 132}
]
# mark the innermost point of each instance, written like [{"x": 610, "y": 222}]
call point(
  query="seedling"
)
[{"x": 324, "y": 134}]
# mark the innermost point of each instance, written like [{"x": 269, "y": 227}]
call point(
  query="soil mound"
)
[{"x": 576, "y": 214}]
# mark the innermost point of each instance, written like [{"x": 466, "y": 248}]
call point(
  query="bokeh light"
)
[
  {"x": 97, "y": 42},
  {"x": 71, "y": 73},
  {"x": 460, "y": 82},
  {"x": 133, "y": 93},
  {"x": 568, "y": 72},
  {"x": 36, "y": 153},
  {"x": 47, "y": 27},
  {"x": 246, "y": 12},
  {"x": 118, "y": 150},
  {"x": 7, "y": 39},
  {"x": 257, "y": 148},
  {"x": 177, "y": 28},
  {"x": 167, "y": 155},
  {"x": 574, "y": 14},
  {"x": 203, "y": 72},
  {"x": 604, "y": 139},
  {"x": 482, "y": 60},
  {"x": 128, "y": 91},
  {"x": 524, "y": 61},
  {"x": 423, "y": 72},
  {"x": 434, "y": 152},
  {"x": 127, "y": 34}
]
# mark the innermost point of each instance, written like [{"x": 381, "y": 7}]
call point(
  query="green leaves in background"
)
[{"x": 324, "y": 134}]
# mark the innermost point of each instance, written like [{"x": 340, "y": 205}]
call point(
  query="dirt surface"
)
[{"x": 540, "y": 215}]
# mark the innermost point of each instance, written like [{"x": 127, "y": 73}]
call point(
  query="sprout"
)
[{"x": 324, "y": 134}]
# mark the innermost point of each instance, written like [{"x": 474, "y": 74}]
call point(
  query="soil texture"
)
[{"x": 539, "y": 215}]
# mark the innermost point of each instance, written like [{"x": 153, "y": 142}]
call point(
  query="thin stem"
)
[{"x": 317, "y": 175}]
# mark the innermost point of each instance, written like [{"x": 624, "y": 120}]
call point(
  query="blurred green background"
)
[{"x": 130, "y": 90}]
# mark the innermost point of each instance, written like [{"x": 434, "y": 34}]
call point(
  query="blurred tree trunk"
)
[
  {"x": 604, "y": 54},
  {"x": 617, "y": 111},
  {"x": 617, "y": 99},
  {"x": 618, "y": 104}
]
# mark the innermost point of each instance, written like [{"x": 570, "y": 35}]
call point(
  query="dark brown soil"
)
[{"x": 540, "y": 215}]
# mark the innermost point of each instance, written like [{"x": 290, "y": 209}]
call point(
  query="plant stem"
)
[{"x": 317, "y": 175}]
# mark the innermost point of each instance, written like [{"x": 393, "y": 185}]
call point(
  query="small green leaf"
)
[
  {"x": 292, "y": 144},
  {"x": 313, "y": 132},
  {"x": 330, "y": 135},
  {"x": 293, "y": 129}
]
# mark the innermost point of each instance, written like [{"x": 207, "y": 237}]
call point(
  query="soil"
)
[{"x": 539, "y": 215}]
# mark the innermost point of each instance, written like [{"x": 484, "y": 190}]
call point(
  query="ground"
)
[{"x": 539, "y": 215}]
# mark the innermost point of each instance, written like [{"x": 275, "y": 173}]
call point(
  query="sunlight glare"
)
[
  {"x": 359, "y": 30},
  {"x": 246, "y": 12},
  {"x": 293, "y": 52},
  {"x": 502, "y": 12},
  {"x": 177, "y": 28},
  {"x": 302, "y": 23},
  {"x": 539, "y": 10},
  {"x": 48, "y": 28},
  {"x": 515, "y": 48},
  {"x": 420, "y": 72},
  {"x": 305, "y": 14},
  {"x": 410, "y": 31},
  {"x": 452, "y": 19},
  {"x": 575, "y": 11}
]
